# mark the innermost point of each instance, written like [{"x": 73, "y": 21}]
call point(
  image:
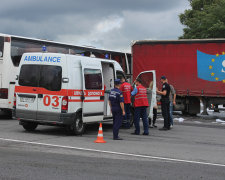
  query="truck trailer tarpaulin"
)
[{"x": 196, "y": 68}]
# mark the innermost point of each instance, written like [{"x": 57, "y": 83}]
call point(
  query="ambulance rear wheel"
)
[
  {"x": 29, "y": 126},
  {"x": 77, "y": 128}
]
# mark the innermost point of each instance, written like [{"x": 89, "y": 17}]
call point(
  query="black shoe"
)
[
  {"x": 134, "y": 133},
  {"x": 163, "y": 129},
  {"x": 146, "y": 134},
  {"x": 154, "y": 126},
  {"x": 117, "y": 138}
]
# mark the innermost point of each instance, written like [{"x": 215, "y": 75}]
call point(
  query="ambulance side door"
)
[
  {"x": 93, "y": 91},
  {"x": 148, "y": 79}
]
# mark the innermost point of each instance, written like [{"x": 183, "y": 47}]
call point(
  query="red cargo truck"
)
[{"x": 196, "y": 69}]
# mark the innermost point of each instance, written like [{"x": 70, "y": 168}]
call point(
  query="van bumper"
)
[
  {"x": 61, "y": 119},
  {"x": 67, "y": 118}
]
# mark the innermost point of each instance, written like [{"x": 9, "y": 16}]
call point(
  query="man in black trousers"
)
[{"x": 165, "y": 103}]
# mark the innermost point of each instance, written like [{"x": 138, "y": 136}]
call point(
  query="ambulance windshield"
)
[{"x": 46, "y": 76}]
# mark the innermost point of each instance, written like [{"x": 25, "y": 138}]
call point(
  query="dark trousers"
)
[
  {"x": 154, "y": 116},
  {"x": 140, "y": 112},
  {"x": 171, "y": 113},
  {"x": 166, "y": 113},
  {"x": 117, "y": 122},
  {"x": 126, "y": 118}
]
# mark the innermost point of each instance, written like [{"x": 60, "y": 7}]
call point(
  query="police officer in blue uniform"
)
[{"x": 116, "y": 102}]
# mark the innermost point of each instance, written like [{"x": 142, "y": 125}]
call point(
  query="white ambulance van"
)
[{"x": 64, "y": 90}]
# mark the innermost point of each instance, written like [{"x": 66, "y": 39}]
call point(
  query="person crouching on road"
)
[
  {"x": 126, "y": 89},
  {"x": 165, "y": 103},
  {"x": 140, "y": 105},
  {"x": 116, "y": 103}
]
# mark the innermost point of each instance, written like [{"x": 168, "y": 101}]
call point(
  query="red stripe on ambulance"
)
[{"x": 62, "y": 92}]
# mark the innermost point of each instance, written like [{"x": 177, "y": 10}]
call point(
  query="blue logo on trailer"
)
[{"x": 211, "y": 67}]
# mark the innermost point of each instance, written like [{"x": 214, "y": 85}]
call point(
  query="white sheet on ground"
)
[
  {"x": 179, "y": 119},
  {"x": 220, "y": 121}
]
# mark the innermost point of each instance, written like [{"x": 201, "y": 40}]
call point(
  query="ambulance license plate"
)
[{"x": 26, "y": 99}]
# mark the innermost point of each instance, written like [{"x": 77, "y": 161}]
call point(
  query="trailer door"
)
[
  {"x": 93, "y": 91},
  {"x": 148, "y": 79}
]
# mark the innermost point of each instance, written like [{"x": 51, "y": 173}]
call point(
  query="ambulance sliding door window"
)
[{"x": 93, "y": 78}]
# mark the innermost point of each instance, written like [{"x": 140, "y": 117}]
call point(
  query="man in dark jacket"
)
[{"x": 165, "y": 103}]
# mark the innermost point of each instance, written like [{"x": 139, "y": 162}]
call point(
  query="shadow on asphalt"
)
[
  {"x": 5, "y": 116},
  {"x": 58, "y": 131},
  {"x": 90, "y": 129}
]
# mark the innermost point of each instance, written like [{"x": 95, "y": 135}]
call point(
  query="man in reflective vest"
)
[
  {"x": 140, "y": 105},
  {"x": 126, "y": 89},
  {"x": 116, "y": 103}
]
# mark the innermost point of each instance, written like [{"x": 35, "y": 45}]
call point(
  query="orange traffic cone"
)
[{"x": 100, "y": 135}]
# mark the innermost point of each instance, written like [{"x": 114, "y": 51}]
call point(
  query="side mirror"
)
[
  {"x": 65, "y": 80},
  {"x": 17, "y": 77},
  {"x": 1, "y": 53}
]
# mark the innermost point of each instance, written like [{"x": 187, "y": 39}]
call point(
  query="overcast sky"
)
[{"x": 108, "y": 24}]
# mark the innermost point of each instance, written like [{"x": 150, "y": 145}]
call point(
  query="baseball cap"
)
[
  {"x": 163, "y": 77},
  {"x": 117, "y": 81}
]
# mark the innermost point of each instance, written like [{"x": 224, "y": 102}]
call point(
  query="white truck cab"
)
[{"x": 64, "y": 90}]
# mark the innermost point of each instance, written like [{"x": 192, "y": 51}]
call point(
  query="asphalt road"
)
[{"x": 185, "y": 152}]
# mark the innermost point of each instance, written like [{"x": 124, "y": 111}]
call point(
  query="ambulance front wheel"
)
[
  {"x": 77, "y": 128},
  {"x": 29, "y": 126}
]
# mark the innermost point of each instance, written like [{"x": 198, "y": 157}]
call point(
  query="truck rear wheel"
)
[
  {"x": 192, "y": 107},
  {"x": 29, "y": 126},
  {"x": 77, "y": 128}
]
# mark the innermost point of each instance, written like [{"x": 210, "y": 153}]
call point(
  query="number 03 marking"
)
[
  {"x": 56, "y": 101},
  {"x": 47, "y": 101}
]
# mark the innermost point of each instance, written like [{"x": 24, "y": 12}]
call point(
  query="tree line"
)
[{"x": 205, "y": 19}]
